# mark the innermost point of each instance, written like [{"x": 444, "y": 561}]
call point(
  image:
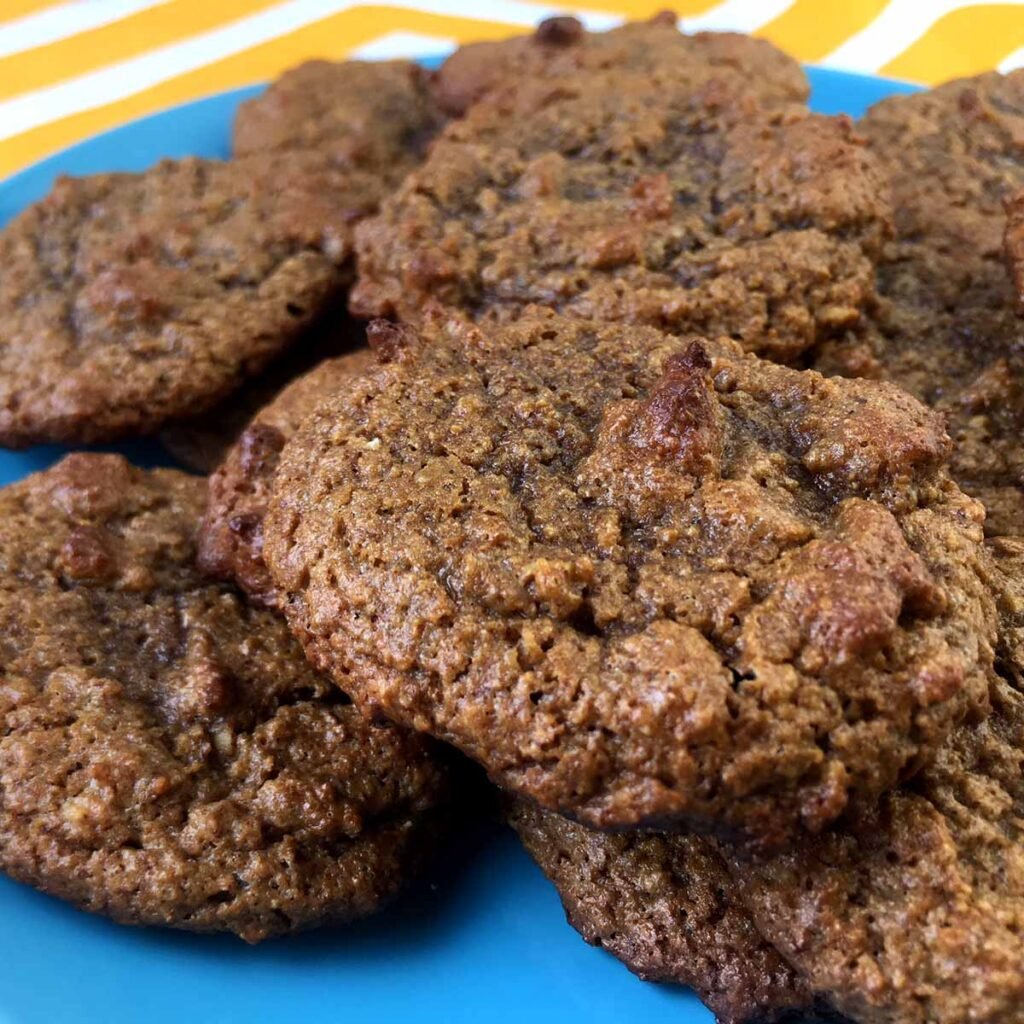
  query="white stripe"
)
[
  {"x": 737, "y": 16},
  {"x": 128, "y": 77},
  {"x": 1014, "y": 61},
  {"x": 403, "y": 44},
  {"x": 64, "y": 20},
  {"x": 900, "y": 24}
]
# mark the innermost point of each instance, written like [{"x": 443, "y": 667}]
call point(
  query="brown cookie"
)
[
  {"x": 953, "y": 156},
  {"x": 947, "y": 327},
  {"x": 377, "y": 118},
  {"x": 130, "y": 299},
  {"x": 668, "y": 198},
  {"x": 167, "y": 755},
  {"x": 914, "y": 914},
  {"x": 666, "y": 907},
  {"x": 641, "y": 580},
  {"x": 231, "y": 536},
  {"x": 1007, "y": 583},
  {"x": 1013, "y": 243},
  {"x": 561, "y": 46},
  {"x": 203, "y": 442}
]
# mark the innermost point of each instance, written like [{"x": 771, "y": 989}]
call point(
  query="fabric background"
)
[{"x": 74, "y": 68}]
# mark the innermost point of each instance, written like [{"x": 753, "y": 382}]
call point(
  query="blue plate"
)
[{"x": 485, "y": 940}]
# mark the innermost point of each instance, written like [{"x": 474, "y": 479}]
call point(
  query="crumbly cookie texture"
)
[
  {"x": 130, "y": 299},
  {"x": 914, "y": 914},
  {"x": 947, "y": 327},
  {"x": 669, "y": 198},
  {"x": 643, "y": 580},
  {"x": 666, "y": 907},
  {"x": 231, "y": 536},
  {"x": 167, "y": 755},
  {"x": 561, "y": 46},
  {"x": 1013, "y": 243},
  {"x": 376, "y": 117}
]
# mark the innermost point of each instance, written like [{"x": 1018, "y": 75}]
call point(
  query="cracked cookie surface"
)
[
  {"x": 947, "y": 327},
  {"x": 915, "y": 913},
  {"x": 670, "y": 198},
  {"x": 167, "y": 755},
  {"x": 641, "y": 579},
  {"x": 130, "y": 299}
]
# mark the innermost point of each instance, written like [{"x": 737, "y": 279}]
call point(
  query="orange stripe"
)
[
  {"x": 117, "y": 41},
  {"x": 810, "y": 29},
  {"x": 332, "y": 37},
  {"x": 964, "y": 42}
]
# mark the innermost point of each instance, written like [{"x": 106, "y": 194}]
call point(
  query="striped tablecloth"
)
[{"x": 73, "y": 68}]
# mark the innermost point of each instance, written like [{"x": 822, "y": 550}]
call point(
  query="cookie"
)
[
  {"x": 1013, "y": 243},
  {"x": 203, "y": 442},
  {"x": 561, "y": 46},
  {"x": 668, "y": 198},
  {"x": 664, "y": 906},
  {"x": 167, "y": 755},
  {"x": 376, "y": 118},
  {"x": 911, "y": 914},
  {"x": 128, "y": 300},
  {"x": 915, "y": 913},
  {"x": 231, "y": 536},
  {"x": 1007, "y": 583},
  {"x": 642, "y": 580},
  {"x": 953, "y": 157},
  {"x": 946, "y": 327}
]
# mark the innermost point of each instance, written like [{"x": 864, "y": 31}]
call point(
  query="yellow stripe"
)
[
  {"x": 810, "y": 31},
  {"x": 333, "y": 37},
  {"x": 964, "y": 42},
  {"x": 636, "y": 9},
  {"x": 117, "y": 41},
  {"x": 11, "y": 9}
]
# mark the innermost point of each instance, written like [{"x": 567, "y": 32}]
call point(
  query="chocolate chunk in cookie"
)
[
  {"x": 669, "y": 198},
  {"x": 128, "y": 300},
  {"x": 231, "y": 537},
  {"x": 167, "y": 755},
  {"x": 641, "y": 579}
]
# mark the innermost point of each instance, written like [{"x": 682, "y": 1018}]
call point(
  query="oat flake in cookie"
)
[
  {"x": 666, "y": 907},
  {"x": 641, "y": 579},
  {"x": 167, "y": 755},
  {"x": 561, "y": 46},
  {"x": 231, "y": 536},
  {"x": 131, "y": 299},
  {"x": 669, "y": 198}
]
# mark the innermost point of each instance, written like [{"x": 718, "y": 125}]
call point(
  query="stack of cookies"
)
[{"x": 679, "y": 484}]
